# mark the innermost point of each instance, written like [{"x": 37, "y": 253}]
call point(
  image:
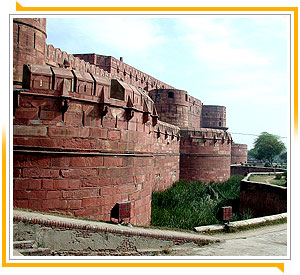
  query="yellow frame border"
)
[{"x": 21, "y": 8}]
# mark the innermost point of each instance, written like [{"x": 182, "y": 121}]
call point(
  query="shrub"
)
[
  {"x": 278, "y": 176},
  {"x": 189, "y": 204},
  {"x": 267, "y": 164}
]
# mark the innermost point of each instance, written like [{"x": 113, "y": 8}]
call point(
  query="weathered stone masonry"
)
[{"x": 91, "y": 131}]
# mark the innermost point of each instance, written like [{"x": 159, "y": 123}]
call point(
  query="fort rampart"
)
[
  {"x": 79, "y": 153},
  {"x": 91, "y": 131}
]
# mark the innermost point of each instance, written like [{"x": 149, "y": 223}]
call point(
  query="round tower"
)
[
  {"x": 239, "y": 153},
  {"x": 29, "y": 43},
  {"x": 205, "y": 155},
  {"x": 171, "y": 106},
  {"x": 177, "y": 107},
  {"x": 213, "y": 116}
]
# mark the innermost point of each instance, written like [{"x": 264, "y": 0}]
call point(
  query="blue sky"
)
[{"x": 241, "y": 62}]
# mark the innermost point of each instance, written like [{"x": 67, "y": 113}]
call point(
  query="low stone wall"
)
[
  {"x": 244, "y": 170},
  {"x": 241, "y": 224},
  {"x": 67, "y": 236},
  {"x": 262, "y": 199}
]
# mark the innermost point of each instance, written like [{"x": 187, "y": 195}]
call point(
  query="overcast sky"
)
[{"x": 241, "y": 62}]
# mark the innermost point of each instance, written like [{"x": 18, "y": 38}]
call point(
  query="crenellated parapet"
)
[
  {"x": 120, "y": 70},
  {"x": 55, "y": 57}
]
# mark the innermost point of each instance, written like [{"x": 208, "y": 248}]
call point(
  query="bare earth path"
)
[{"x": 264, "y": 241}]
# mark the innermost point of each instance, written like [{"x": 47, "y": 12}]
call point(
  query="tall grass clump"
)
[{"x": 189, "y": 204}]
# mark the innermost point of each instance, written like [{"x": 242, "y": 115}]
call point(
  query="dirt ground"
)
[{"x": 263, "y": 241}]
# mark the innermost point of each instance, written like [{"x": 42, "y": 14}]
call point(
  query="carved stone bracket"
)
[
  {"x": 64, "y": 105},
  {"x": 215, "y": 139},
  {"x": 158, "y": 132},
  {"x": 146, "y": 112},
  {"x": 129, "y": 110},
  {"x": 103, "y": 108},
  {"x": 154, "y": 116}
]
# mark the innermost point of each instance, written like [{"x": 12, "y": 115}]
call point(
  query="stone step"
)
[
  {"x": 40, "y": 251},
  {"x": 24, "y": 244}
]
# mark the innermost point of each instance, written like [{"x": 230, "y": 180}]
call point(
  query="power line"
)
[{"x": 244, "y": 134}]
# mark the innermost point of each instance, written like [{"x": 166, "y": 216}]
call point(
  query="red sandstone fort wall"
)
[
  {"x": 205, "y": 155},
  {"x": 80, "y": 154},
  {"x": 88, "y": 138},
  {"x": 239, "y": 153}
]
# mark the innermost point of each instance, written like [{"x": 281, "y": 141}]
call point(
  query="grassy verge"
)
[
  {"x": 281, "y": 181},
  {"x": 253, "y": 226},
  {"x": 189, "y": 204}
]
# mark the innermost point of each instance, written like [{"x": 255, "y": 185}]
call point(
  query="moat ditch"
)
[{"x": 189, "y": 204}]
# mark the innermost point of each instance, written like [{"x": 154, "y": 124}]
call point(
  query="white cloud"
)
[
  {"x": 220, "y": 43},
  {"x": 124, "y": 34}
]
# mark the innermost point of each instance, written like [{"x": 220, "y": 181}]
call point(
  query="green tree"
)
[
  {"x": 252, "y": 154},
  {"x": 268, "y": 146},
  {"x": 283, "y": 157}
]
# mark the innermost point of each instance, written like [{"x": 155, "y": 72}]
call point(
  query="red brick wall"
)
[
  {"x": 82, "y": 167},
  {"x": 239, "y": 153},
  {"x": 205, "y": 155}
]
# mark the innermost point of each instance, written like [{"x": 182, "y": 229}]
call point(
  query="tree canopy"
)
[{"x": 267, "y": 146}]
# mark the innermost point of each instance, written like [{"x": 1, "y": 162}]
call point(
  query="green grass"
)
[
  {"x": 189, "y": 204},
  {"x": 269, "y": 179}
]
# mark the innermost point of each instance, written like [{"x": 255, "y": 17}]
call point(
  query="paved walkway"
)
[{"x": 263, "y": 241}]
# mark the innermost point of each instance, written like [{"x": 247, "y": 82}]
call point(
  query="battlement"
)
[
  {"x": 120, "y": 70},
  {"x": 55, "y": 57},
  {"x": 208, "y": 134},
  {"x": 87, "y": 87}
]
